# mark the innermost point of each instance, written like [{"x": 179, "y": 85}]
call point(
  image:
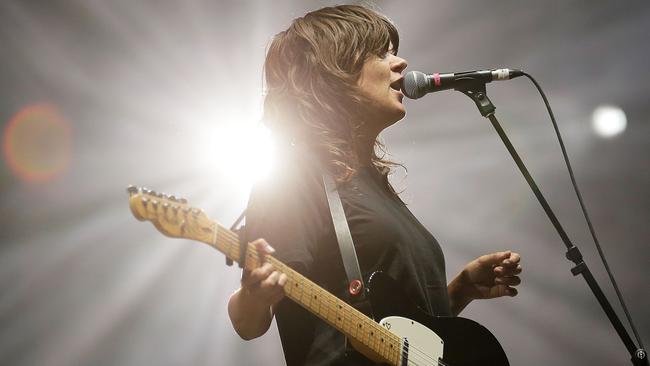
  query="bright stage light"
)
[
  {"x": 237, "y": 155},
  {"x": 608, "y": 121}
]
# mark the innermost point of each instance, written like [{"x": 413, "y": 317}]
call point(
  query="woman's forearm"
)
[
  {"x": 458, "y": 299},
  {"x": 250, "y": 318}
]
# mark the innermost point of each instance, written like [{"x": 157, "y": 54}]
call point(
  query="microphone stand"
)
[{"x": 475, "y": 89}]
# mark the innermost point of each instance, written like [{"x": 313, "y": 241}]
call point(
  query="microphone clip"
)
[{"x": 475, "y": 89}]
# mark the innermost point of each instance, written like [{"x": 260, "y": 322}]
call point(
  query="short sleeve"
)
[{"x": 289, "y": 210}]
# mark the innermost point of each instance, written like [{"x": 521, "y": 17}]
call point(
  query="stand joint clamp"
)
[{"x": 574, "y": 255}]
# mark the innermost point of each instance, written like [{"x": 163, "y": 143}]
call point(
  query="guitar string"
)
[
  {"x": 347, "y": 315},
  {"x": 420, "y": 354},
  {"x": 414, "y": 352},
  {"x": 333, "y": 310}
]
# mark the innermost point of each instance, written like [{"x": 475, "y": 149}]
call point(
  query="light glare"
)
[
  {"x": 239, "y": 154},
  {"x": 608, "y": 121}
]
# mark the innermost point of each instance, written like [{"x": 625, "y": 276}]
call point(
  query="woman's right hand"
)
[
  {"x": 263, "y": 285},
  {"x": 251, "y": 307}
]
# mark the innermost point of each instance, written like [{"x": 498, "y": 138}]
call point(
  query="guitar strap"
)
[{"x": 356, "y": 287}]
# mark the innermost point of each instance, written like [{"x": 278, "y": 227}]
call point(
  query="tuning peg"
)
[
  {"x": 186, "y": 210},
  {"x": 131, "y": 189},
  {"x": 182, "y": 200},
  {"x": 165, "y": 206},
  {"x": 172, "y": 198},
  {"x": 145, "y": 201},
  {"x": 175, "y": 208},
  {"x": 154, "y": 203}
]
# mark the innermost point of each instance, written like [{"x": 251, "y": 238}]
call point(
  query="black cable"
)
[{"x": 584, "y": 211}]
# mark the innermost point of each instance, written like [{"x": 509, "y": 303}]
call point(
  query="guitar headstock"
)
[{"x": 171, "y": 215}]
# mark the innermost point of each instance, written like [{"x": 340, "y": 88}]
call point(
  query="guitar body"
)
[{"x": 464, "y": 342}]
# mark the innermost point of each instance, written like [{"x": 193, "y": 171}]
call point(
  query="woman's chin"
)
[{"x": 400, "y": 112}]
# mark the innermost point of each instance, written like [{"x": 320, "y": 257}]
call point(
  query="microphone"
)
[{"x": 416, "y": 84}]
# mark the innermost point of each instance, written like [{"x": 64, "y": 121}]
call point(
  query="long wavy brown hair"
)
[{"x": 312, "y": 71}]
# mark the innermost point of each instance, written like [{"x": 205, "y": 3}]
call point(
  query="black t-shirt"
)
[{"x": 290, "y": 211}]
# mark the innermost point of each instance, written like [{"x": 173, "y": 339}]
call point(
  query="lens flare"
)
[{"x": 37, "y": 143}]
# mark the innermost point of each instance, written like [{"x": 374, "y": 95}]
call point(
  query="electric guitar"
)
[{"x": 404, "y": 335}]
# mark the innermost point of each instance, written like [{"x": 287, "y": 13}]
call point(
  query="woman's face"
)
[{"x": 380, "y": 83}]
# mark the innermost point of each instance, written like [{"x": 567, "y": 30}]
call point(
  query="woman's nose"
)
[{"x": 399, "y": 64}]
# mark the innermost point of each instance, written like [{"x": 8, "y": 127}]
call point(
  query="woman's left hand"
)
[{"x": 488, "y": 276}]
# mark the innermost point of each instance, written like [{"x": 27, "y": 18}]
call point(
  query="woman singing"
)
[{"x": 332, "y": 81}]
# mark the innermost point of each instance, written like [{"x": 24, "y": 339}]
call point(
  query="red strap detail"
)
[{"x": 355, "y": 287}]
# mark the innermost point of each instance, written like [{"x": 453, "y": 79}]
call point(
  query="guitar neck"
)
[{"x": 334, "y": 311}]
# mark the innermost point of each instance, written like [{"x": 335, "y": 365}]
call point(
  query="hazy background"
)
[{"x": 96, "y": 95}]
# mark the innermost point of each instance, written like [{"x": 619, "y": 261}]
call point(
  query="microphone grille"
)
[{"x": 414, "y": 85}]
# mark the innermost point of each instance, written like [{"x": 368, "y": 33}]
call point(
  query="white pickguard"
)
[{"x": 425, "y": 347}]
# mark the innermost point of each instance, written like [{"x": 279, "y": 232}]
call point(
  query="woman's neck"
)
[{"x": 366, "y": 150}]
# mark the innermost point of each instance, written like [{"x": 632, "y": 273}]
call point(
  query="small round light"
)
[
  {"x": 608, "y": 121},
  {"x": 37, "y": 143}
]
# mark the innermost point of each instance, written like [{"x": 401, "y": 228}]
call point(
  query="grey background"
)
[{"x": 143, "y": 84}]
